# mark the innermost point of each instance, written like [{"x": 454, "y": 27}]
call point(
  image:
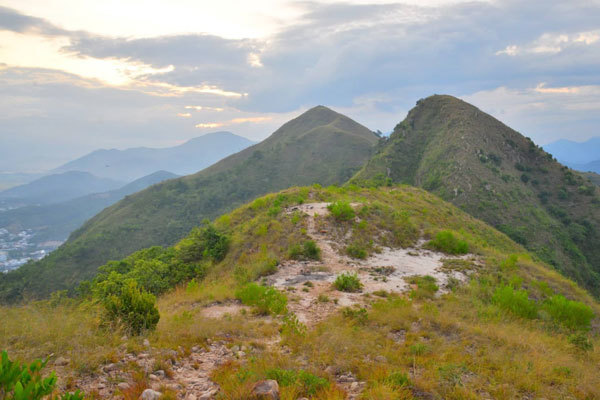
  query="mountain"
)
[
  {"x": 12, "y": 179},
  {"x": 573, "y": 153},
  {"x": 320, "y": 146},
  {"x": 593, "y": 166},
  {"x": 58, "y": 188},
  {"x": 334, "y": 293},
  {"x": 467, "y": 157},
  {"x": 54, "y": 222},
  {"x": 592, "y": 177},
  {"x": 187, "y": 158}
]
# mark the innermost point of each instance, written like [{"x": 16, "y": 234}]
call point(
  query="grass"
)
[
  {"x": 348, "y": 282},
  {"x": 341, "y": 211},
  {"x": 265, "y": 300},
  {"x": 445, "y": 241}
]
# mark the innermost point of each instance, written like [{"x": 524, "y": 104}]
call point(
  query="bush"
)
[
  {"x": 133, "y": 307},
  {"x": 446, "y": 242},
  {"x": 307, "y": 251},
  {"x": 266, "y": 300},
  {"x": 348, "y": 282},
  {"x": 341, "y": 211},
  {"x": 308, "y": 384},
  {"x": 571, "y": 314},
  {"x": 397, "y": 379},
  {"x": 515, "y": 301},
  {"x": 25, "y": 382},
  {"x": 355, "y": 250},
  {"x": 204, "y": 243},
  {"x": 581, "y": 342},
  {"x": 359, "y": 315},
  {"x": 426, "y": 287}
]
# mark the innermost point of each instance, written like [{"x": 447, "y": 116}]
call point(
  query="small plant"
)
[
  {"x": 426, "y": 287},
  {"x": 419, "y": 349},
  {"x": 571, "y": 314},
  {"x": 308, "y": 384},
  {"x": 348, "y": 282},
  {"x": 446, "y": 242},
  {"x": 266, "y": 300},
  {"x": 292, "y": 325},
  {"x": 25, "y": 382},
  {"x": 515, "y": 301},
  {"x": 133, "y": 307},
  {"x": 341, "y": 211},
  {"x": 355, "y": 250},
  {"x": 359, "y": 315},
  {"x": 581, "y": 342},
  {"x": 307, "y": 251},
  {"x": 397, "y": 379},
  {"x": 192, "y": 286},
  {"x": 323, "y": 298}
]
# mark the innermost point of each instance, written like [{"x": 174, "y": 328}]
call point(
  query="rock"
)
[
  {"x": 123, "y": 338},
  {"x": 146, "y": 343},
  {"x": 153, "y": 377},
  {"x": 123, "y": 386},
  {"x": 267, "y": 390},
  {"x": 150, "y": 394},
  {"x": 61, "y": 361},
  {"x": 160, "y": 373},
  {"x": 100, "y": 386},
  {"x": 196, "y": 349},
  {"x": 354, "y": 386},
  {"x": 235, "y": 348},
  {"x": 111, "y": 367},
  {"x": 240, "y": 354},
  {"x": 381, "y": 359}
]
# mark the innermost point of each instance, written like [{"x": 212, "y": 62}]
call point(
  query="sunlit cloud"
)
[
  {"x": 549, "y": 43},
  {"x": 234, "y": 121},
  {"x": 541, "y": 88},
  {"x": 184, "y": 115},
  {"x": 204, "y": 108},
  {"x": 254, "y": 60}
]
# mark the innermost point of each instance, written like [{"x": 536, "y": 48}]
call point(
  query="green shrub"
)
[
  {"x": 266, "y": 300},
  {"x": 307, "y": 251},
  {"x": 204, "y": 243},
  {"x": 348, "y": 282},
  {"x": 25, "y": 381},
  {"x": 355, "y": 250},
  {"x": 570, "y": 314},
  {"x": 581, "y": 342},
  {"x": 308, "y": 384},
  {"x": 292, "y": 326},
  {"x": 515, "y": 301},
  {"x": 341, "y": 210},
  {"x": 133, "y": 307},
  {"x": 397, "y": 379},
  {"x": 359, "y": 315},
  {"x": 426, "y": 287},
  {"x": 446, "y": 242}
]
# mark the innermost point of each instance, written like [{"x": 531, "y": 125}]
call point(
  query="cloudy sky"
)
[{"x": 77, "y": 75}]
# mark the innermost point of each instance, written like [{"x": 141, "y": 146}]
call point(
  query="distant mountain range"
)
[
  {"x": 582, "y": 156},
  {"x": 57, "y": 188},
  {"x": 187, "y": 158},
  {"x": 54, "y": 222}
]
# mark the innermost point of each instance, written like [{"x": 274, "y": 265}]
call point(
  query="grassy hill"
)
[
  {"x": 320, "y": 146},
  {"x": 469, "y": 158},
  {"x": 451, "y": 332}
]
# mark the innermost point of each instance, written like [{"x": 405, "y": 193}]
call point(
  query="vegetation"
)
[
  {"x": 131, "y": 306},
  {"x": 348, "y": 282},
  {"x": 446, "y": 242},
  {"x": 25, "y": 381},
  {"x": 307, "y": 251},
  {"x": 341, "y": 211},
  {"x": 458, "y": 341}
]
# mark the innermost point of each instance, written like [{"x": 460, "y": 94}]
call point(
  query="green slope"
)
[
  {"x": 469, "y": 158},
  {"x": 320, "y": 146}
]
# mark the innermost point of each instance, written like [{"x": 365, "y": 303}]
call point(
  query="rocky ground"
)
[{"x": 312, "y": 297}]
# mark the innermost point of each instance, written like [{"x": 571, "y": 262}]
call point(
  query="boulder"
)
[
  {"x": 266, "y": 390},
  {"x": 61, "y": 361},
  {"x": 150, "y": 394}
]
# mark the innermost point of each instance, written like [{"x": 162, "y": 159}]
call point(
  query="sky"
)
[{"x": 79, "y": 75}]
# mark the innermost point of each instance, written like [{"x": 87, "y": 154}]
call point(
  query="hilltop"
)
[
  {"x": 184, "y": 159},
  {"x": 320, "y": 146},
  {"x": 469, "y": 158},
  {"x": 336, "y": 293}
]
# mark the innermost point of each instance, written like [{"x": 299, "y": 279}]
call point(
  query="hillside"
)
[
  {"x": 320, "y": 146},
  {"x": 592, "y": 177},
  {"x": 57, "y": 188},
  {"x": 384, "y": 294},
  {"x": 467, "y": 157},
  {"x": 54, "y": 222},
  {"x": 187, "y": 158},
  {"x": 593, "y": 166}
]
